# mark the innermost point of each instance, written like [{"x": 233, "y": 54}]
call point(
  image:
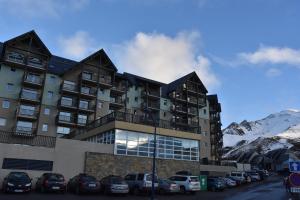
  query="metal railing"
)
[
  {"x": 69, "y": 87},
  {"x": 138, "y": 119},
  {"x": 89, "y": 76},
  {"x": 33, "y": 79},
  {"x": 106, "y": 80},
  {"x": 88, "y": 91},
  {"x": 10, "y": 137},
  {"x": 27, "y": 112}
]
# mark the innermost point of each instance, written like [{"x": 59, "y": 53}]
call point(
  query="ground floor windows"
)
[
  {"x": 24, "y": 127},
  {"x": 104, "y": 138},
  {"x": 141, "y": 144}
]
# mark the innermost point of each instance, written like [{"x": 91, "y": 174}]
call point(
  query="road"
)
[{"x": 269, "y": 189}]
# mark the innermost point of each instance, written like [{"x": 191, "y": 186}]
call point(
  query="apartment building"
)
[
  {"x": 216, "y": 135},
  {"x": 44, "y": 94}
]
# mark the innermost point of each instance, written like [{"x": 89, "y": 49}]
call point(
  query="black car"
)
[
  {"x": 83, "y": 183},
  {"x": 51, "y": 182},
  {"x": 215, "y": 184},
  {"x": 17, "y": 182}
]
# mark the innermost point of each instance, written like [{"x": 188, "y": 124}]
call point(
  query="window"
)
[
  {"x": 102, "y": 91},
  {"x": 63, "y": 130},
  {"x": 27, "y": 110},
  {"x": 165, "y": 114},
  {"x": 204, "y": 111},
  {"x": 45, "y": 127},
  {"x": 65, "y": 116},
  {"x": 2, "y": 121},
  {"x": 50, "y": 94},
  {"x": 136, "y": 99},
  {"x": 5, "y": 104},
  {"x": 165, "y": 102},
  {"x": 46, "y": 111},
  {"x": 9, "y": 87},
  {"x": 69, "y": 85},
  {"x": 66, "y": 101},
  {"x": 82, "y": 119},
  {"x": 13, "y": 163},
  {"x": 100, "y": 105},
  {"x": 12, "y": 69},
  {"x": 136, "y": 88},
  {"x": 24, "y": 127},
  {"x": 83, "y": 104}
]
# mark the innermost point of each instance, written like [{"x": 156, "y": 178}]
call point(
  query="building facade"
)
[{"x": 46, "y": 95}]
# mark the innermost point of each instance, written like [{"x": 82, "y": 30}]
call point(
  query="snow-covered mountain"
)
[{"x": 278, "y": 130}]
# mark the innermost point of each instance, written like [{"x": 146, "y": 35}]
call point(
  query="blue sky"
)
[{"x": 246, "y": 51}]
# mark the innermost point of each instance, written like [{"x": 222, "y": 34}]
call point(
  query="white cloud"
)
[
  {"x": 273, "y": 55},
  {"x": 77, "y": 46},
  {"x": 41, "y": 8},
  {"x": 163, "y": 58},
  {"x": 273, "y": 72}
]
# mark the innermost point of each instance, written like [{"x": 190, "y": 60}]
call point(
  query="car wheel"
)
[
  {"x": 77, "y": 191},
  {"x": 136, "y": 191},
  {"x": 42, "y": 189},
  {"x": 213, "y": 189},
  {"x": 182, "y": 189},
  {"x": 162, "y": 191}
]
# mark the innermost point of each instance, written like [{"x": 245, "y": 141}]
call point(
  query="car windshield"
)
[
  {"x": 18, "y": 176},
  {"x": 55, "y": 177},
  {"x": 88, "y": 178},
  {"x": 117, "y": 180},
  {"x": 194, "y": 179}
]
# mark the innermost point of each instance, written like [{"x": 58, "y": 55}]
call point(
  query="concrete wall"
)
[
  {"x": 14, "y": 77},
  {"x": 68, "y": 156},
  {"x": 101, "y": 165}
]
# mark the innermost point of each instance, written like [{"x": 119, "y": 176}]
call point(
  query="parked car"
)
[
  {"x": 215, "y": 184},
  {"x": 166, "y": 186},
  {"x": 254, "y": 176},
  {"x": 187, "y": 183},
  {"x": 83, "y": 183},
  {"x": 17, "y": 182},
  {"x": 114, "y": 184},
  {"x": 51, "y": 182},
  {"x": 140, "y": 182},
  {"x": 229, "y": 182},
  {"x": 239, "y": 177}
]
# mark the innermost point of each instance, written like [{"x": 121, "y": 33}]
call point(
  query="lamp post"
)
[{"x": 154, "y": 154}]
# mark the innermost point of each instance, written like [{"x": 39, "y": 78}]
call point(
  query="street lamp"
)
[{"x": 154, "y": 153}]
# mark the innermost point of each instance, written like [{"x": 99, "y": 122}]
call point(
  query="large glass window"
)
[
  {"x": 82, "y": 119},
  {"x": 141, "y": 144},
  {"x": 83, "y": 104},
  {"x": 23, "y": 126},
  {"x": 63, "y": 130},
  {"x": 27, "y": 110},
  {"x": 65, "y": 116}
]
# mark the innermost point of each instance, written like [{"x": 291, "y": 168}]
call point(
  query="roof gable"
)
[
  {"x": 32, "y": 37},
  {"x": 100, "y": 57}
]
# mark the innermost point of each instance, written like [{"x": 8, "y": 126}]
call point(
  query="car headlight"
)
[
  {"x": 28, "y": 184},
  {"x": 10, "y": 184}
]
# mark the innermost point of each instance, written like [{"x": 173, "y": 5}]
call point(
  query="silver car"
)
[
  {"x": 114, "y": 184},
  {"x": 166, "y": 186}
]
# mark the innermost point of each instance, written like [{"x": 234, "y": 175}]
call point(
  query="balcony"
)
[
  {"x": 67, "y": 104},
  {"x": 153, "y": 105},
  {"x": 151, "y": 94},
  {"x": 29, "y": 96},
  {"x": 27, "y": 114},
  {"x": 32, "y": 61},
  {"x": 65, "y": 120},
  {"x": 192, "y": 111},
  {"x": 193, "y": 123},
  {"x": 82, "y": 122},
  {"x": 88, "y": 92},
  {"x": 116, "y": 102},
  {"x": 87, "y": 108},
  {"x": 179, "y": 109},
  {"x": 105, "y": 82},
  {"x": 118, "y": 90},
  {"x": 89, "y": 78},
  {"x": 31, "y": 80},
  {"x": 24, "y": 131},
  {"x": 69, "y": 88}
]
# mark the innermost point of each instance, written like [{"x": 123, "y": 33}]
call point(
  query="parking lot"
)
[{"x": 268, "y": 189}]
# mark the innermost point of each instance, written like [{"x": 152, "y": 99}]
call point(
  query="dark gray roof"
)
[
  {"x": 134, "y": 79},
  {"x": 167, "y": 88},
  {"x": 59, "y": 65}
]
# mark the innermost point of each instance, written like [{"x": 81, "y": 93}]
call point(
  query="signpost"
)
[
  {"x": 294, "y": 166},
  {"x": 294, "y": 177}
]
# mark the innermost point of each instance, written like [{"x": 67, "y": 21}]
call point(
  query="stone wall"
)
[{"x": 101, "y": 165}]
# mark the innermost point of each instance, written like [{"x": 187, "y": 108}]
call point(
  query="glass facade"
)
[{"x": 141, "y": 144}]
